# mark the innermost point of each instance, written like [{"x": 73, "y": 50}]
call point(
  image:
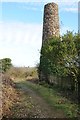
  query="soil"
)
[{"x": 31, "y": 105}]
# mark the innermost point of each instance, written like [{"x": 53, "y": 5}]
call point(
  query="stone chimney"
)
[{"x": 50, "y": 21}]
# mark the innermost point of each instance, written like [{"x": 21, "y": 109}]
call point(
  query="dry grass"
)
[{"x": 22, "y": 72}]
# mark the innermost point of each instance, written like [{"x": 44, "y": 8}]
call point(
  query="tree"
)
[
  {"x": 70, "y": 57},
  {"x": 6, "y": 64},
  {"x": 77, "y": 43},
  {"x": 58, "y": 58}
]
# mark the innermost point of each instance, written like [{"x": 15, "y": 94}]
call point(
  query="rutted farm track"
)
[{"x": 32, "y": 105}]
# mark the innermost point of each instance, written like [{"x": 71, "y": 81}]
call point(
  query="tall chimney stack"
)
[{"x": 50, "y": 21}]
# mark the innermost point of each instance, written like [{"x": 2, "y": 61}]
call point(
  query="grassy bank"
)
[{"x": 54, "y": 99}]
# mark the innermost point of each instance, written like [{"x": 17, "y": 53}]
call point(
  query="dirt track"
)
[{"x": 32, "y": 105}]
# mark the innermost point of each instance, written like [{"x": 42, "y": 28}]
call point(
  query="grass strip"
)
[{"x": 54, "y": 99}]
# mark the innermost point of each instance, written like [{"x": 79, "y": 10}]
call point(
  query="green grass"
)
[{"x": 54, "y": 99}]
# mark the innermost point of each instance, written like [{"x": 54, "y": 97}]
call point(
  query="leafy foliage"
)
[
  {"x": 60, "y": 57},
  {"x": 5, "y": 64}
]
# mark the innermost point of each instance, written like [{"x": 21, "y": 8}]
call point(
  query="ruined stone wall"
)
[{"x": 50, "y": 21}]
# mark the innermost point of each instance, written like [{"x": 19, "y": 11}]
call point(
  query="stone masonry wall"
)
[{"x": 50, "y": 21}]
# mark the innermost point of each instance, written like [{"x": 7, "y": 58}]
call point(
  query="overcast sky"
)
[{"x": 21, "y": 23}]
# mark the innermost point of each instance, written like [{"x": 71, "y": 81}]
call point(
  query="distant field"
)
[{"x": 23, "y": 72}]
